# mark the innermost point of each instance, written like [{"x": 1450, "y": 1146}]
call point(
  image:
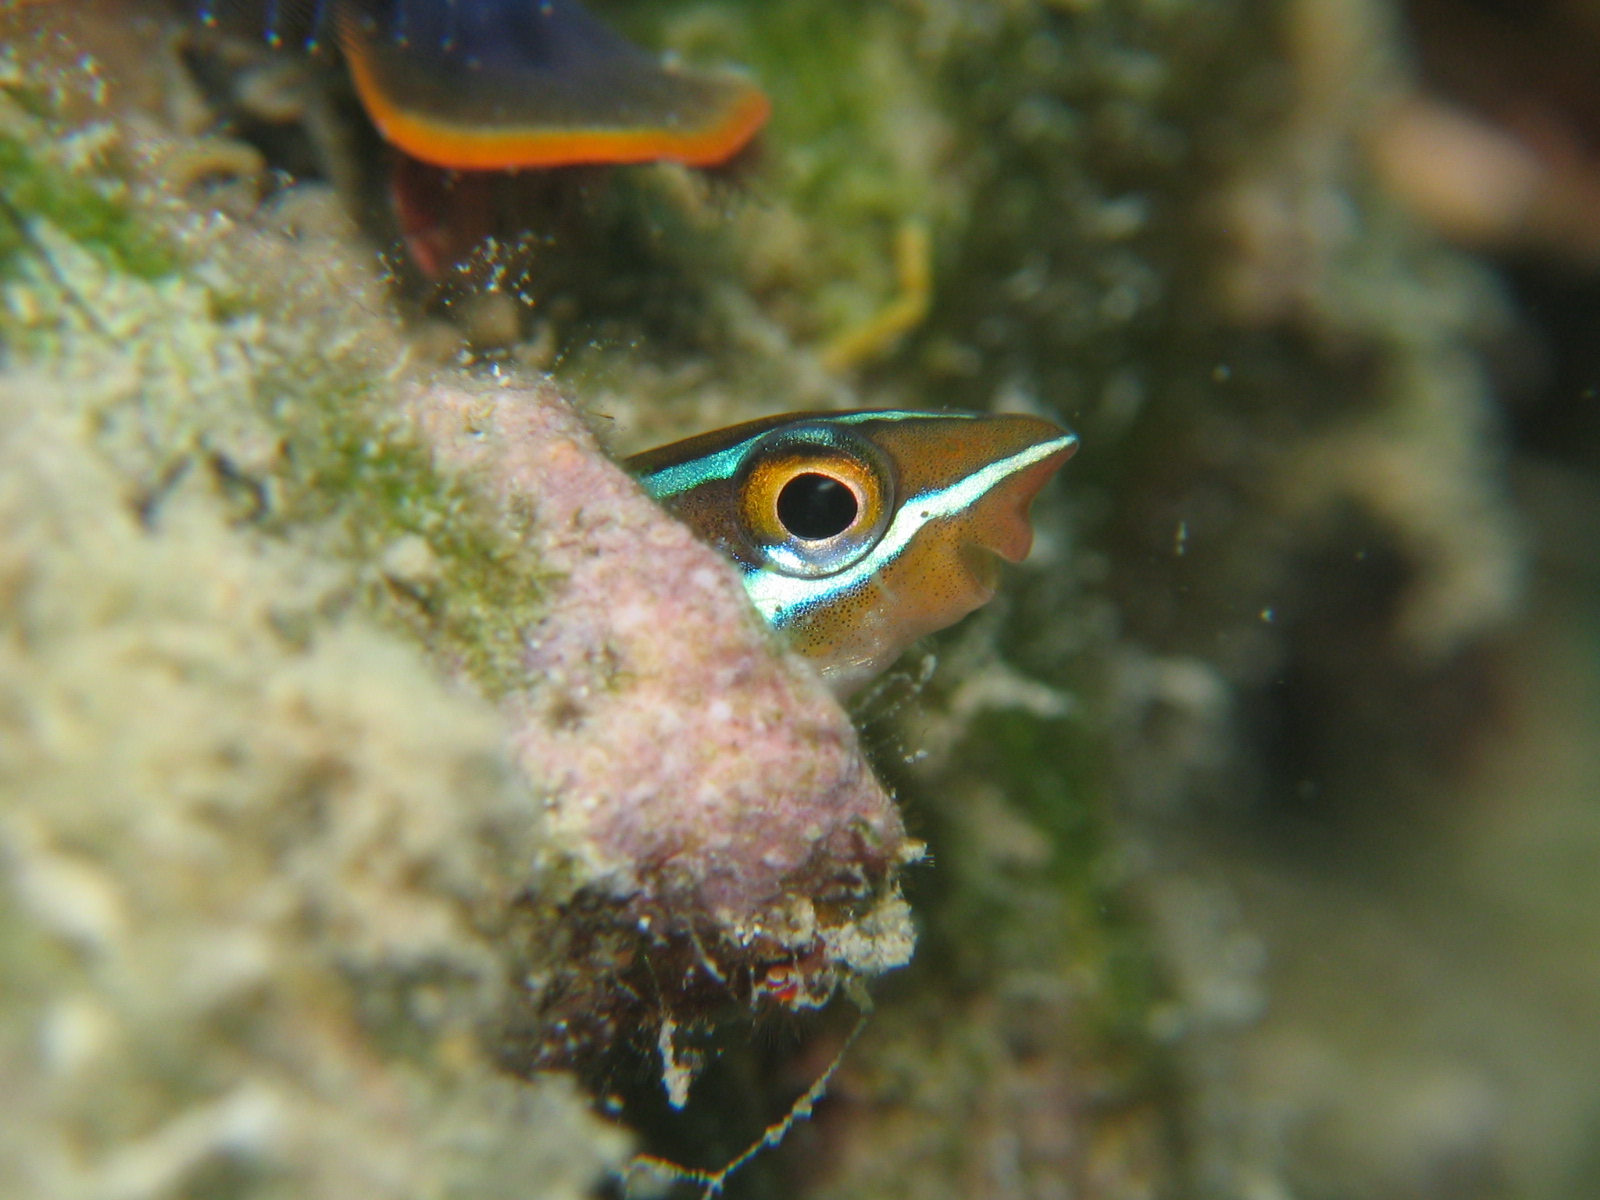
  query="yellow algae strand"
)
[{"x": 878, "y": 335}]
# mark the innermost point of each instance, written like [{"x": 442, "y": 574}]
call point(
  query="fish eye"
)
[
  {"x": 813, "y": 506},
  {"x": 815, "y": 499}
]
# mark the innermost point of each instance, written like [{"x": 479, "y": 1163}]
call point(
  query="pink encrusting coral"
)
[{"x": 720, "y": 825}]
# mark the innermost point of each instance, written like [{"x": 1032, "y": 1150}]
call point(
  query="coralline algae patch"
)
[{"x": 722, "y": 823}]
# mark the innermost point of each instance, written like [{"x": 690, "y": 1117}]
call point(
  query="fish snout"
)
[{"x": 1001, "y": 521}]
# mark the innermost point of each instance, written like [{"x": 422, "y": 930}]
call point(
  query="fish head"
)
[{"x": 858, "y": 533}]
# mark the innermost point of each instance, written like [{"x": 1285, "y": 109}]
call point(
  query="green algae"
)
[
  {"x": 1058, "y": 902},
  {"x": 89, "y": 212},
  {"x": 319, "y": 454},
  {"x": 460, "y": 578},
  {"x": 1051, "y": 773}
]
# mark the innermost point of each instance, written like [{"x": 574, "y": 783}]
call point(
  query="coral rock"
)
[{"x": 724, "y": 840}]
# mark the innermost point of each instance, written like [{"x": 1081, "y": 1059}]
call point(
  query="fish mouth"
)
[{"x": 1000, "y": 526}]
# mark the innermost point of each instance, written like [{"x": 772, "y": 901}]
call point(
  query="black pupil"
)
[{"x": 814, "y": 507}]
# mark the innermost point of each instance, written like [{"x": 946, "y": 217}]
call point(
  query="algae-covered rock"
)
[
  {"x": 251, "y": 851},
  {"x": 254, "y": 848},
  {"x": 724, "y": 841},
  {"x": 240, "y": 542}
]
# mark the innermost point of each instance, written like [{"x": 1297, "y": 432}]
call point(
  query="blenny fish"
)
[
  {"x": 511, "y": 84},
  {"x": 858, "y": 533}
]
